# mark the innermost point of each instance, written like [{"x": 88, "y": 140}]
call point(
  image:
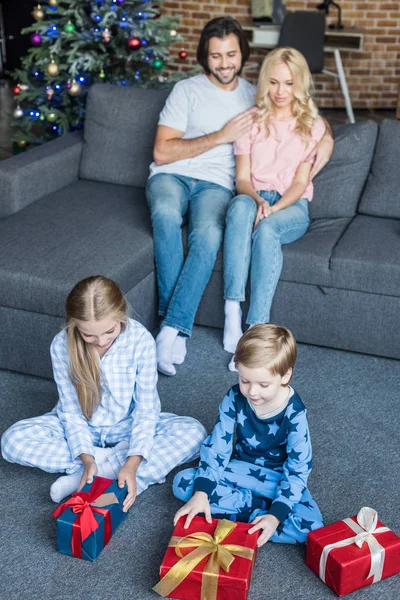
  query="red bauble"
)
[
  {"x": 16, "y": 90},
  {"x": 182, "y": 54},
  {"x": 157, "y": 14},
  {"x": 134, "y": 43}
]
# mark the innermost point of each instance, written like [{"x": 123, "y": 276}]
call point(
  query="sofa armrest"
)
[{"x": 29, "y": 176}]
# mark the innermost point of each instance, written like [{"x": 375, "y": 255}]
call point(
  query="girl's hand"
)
[
  {"x": 89, "y": 470},
  {"x": 264, "y": 210},
  {"x": 268, "y": 523},
  {"x": 127, "y": 475},
  {"x": 198, "y": 503}
]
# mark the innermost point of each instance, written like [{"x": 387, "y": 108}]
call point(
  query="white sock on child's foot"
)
[
  {"x": 164, "y": 343},
  {"x": 179, "y": 350},
  {"x": 65, "y": 486},
  {"x": 232, "y": 366},
  {"x": 233, "y": 325},
  {"x": 106, "y": 469}
]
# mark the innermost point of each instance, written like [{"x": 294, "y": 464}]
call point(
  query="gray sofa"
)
[{"x": 76, "y": 206}]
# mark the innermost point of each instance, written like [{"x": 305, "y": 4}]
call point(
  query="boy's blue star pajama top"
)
[
  {"x": 267, "y": 472},
  {"x": 129, "y": 412}
]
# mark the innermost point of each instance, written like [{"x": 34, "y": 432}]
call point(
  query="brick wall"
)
[{"x": 373, "y": 76}]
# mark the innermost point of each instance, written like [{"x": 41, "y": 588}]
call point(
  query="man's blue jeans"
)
[
  {"x": 181, "y": 283},
  {"x": 262, "y": 248}
]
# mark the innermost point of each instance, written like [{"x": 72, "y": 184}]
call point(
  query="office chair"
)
[{"x": 305, "y": 31}]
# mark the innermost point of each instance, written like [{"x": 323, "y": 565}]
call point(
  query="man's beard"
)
[{"x": 234, "y": 74}]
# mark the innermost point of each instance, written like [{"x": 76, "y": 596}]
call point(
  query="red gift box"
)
[
  {"x": 353, "y": 553},
  {"x": 208, "y": 561}
]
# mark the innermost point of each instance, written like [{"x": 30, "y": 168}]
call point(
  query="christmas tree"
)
[{"x": 76, "y": 43}]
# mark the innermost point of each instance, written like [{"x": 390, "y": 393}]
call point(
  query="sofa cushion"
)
[
  {"x": 338, "y": 187},
  {"x": 308, "y": 259},
  {"x": 87, "y": 228},
  {"x": 366, "y": 258},
  {"x": 382, "y": 194},
  {"x": 119, "y": 131}
]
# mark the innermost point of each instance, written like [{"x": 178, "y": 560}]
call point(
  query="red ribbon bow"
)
[{"x": 86, "y": 523}]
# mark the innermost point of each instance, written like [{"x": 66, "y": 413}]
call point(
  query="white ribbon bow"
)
[{"x": 366, "y": 529}]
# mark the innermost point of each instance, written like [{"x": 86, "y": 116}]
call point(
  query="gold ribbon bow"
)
[{"x": 222, "y": 555}]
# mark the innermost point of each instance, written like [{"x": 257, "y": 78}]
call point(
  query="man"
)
[{"x": 193, "y": 172}]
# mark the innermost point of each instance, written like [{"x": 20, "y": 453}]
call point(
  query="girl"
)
[
  {"x": 107, "y": 420},
  {"x": 273, "y": 166}
]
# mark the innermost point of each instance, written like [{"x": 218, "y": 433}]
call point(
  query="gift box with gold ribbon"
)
[
  {"x": 87, "y": 520},
  {"x": 208, "y": 561},
  {"x": 353, "y": 553}
]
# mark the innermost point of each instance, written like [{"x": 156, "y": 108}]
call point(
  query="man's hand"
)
[
  {"x": 264, "y": 210},
  {"x": 198, "y": 503},
  {"x": 127, "y": 475},
  {"x": 89, "y": 470},
  {"x": 237, "y": 126},
  {"x": 268, "y": 523},
  {"x": 321, "y": 154}
]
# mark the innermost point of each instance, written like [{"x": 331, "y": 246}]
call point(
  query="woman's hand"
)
[
  {"x": 268, "y": 523},
  {"x": 89, "y": 470},
  {"x": 127, "y": 475},
  {"x": 264, "y": 210},
  {"x": 198, "y": 503}
]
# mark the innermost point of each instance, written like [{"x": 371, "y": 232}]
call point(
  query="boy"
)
[{"x": 264, "y": 481}]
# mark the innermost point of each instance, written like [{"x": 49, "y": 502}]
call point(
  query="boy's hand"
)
[
  {"x": 89, "y": 470},
  {"x": 268, "y": 523},
  {"x": 127, "y": 475},
  {"x": 198, "y": 503}
]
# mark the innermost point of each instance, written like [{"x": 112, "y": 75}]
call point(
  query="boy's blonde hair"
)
[
  {"x": 304, "y": 108},
  {"x": 92, "y": 299},
  {"x": 267, "y": 346}
]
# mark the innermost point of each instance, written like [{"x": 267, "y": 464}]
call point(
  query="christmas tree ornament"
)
[
  {"x": 74, "y": 89},
  {"x": 38, "y": 13},
  {"x": 102, "y": 74},
  {"x": 53, "y": 3},
  {"x": 50, "y": 93},
  {"x": 106, "y": 35},
  {"x": 69, "y": 27},
  {"x": 23, "y": 87},
  {"x": 22, "y": 144},
  {"x": 182, "y": 54},
  {"x": 16, "y": 90},
  {"x": 51, "y": 117},
  {"x": 53, "y": 68},
  {"x": 158, "y": 63},
  {"x": 36, "y": 39},
  {"x": 173, "y": 33},
  {"x": 97, "y": 18},
  {"x": 18, "y": 112},
  {"x": 134, "y": 43}
]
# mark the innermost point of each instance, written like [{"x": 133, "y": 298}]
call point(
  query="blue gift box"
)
[{"x": 86, "y": 522}]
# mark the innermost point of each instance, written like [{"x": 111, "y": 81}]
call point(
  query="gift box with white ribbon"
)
[{"x": 353, "y": 553}]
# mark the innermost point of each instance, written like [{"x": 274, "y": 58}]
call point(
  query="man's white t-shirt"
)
[{"x": 198, "y": 107}]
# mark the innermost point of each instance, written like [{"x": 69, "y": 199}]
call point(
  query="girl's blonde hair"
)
[
  {"x": 92, "y": 299},
  {"x": 267, "y": 346},
  {"x": 304, "y": 108}
]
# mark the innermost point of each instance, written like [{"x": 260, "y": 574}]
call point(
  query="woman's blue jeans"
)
[
  {"x": 260, "y": 248},
  {"x": 181, "y": 282}
]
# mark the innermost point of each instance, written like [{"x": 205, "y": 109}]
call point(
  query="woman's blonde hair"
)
[
  {"x": 267, "y": 346},
  {"x": 304, "y": 108},
  {"x": 91, "y": 299}
]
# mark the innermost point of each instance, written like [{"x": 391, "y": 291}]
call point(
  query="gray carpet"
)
[{"x": 353, "y": 404}]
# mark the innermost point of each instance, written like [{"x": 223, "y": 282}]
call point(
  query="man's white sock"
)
[
  {"x": 179, "y": 350},
  {"x": 164, "y": 343},
  {"x": 233, "y": 325}
]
